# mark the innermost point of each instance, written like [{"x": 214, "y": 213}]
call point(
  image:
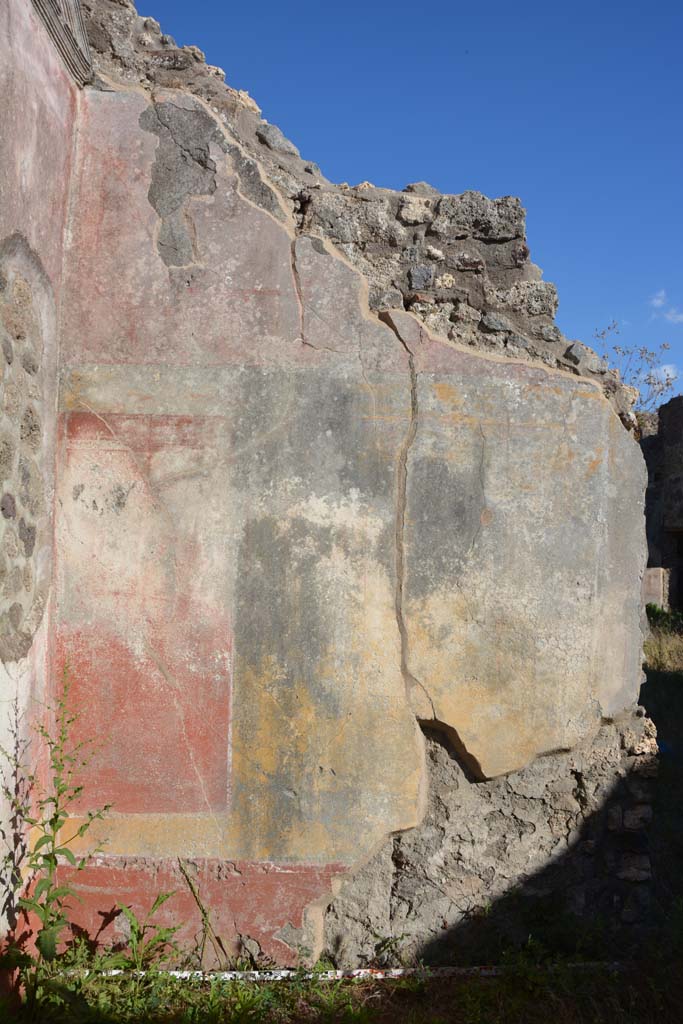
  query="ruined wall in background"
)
[
  {"x": 662, "y": 445},
  {"x": 37, "y": 118},
  {"x": 313, "y": 501}
]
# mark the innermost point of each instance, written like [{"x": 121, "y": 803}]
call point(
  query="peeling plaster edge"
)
[
  {"x": 313, "y": 913},
  {"x": 156, "y": 94}
]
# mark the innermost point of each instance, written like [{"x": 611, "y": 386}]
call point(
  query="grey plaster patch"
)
[
  {"x": 252, "y": 185},
  {"x": 24, "y": 533},
  {"x": 445, "y": 525},
  {"x": 182, "y": 168},
  {"x": 316, "y": 425}
]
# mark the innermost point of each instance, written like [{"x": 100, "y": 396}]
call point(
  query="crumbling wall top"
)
[{"x": 460, "y": 263}]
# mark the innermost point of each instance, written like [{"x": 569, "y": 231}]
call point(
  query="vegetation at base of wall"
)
[
  {"x": 526, "y": 993},
  {"x": 664, "y": 651},
  {"x": 663, "y": 648},
  {"x": 664, "y": 619},
  {"x": 38, "y": 838},
  {"x": 67, "y": 980}
]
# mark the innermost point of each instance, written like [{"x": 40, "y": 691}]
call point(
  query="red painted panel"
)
[
  {"x": 248, "y": 899},
  {"x": 148, "y": 644},
  {"x": 141, "y": 432},
  {"x": 159, "y": 721}
]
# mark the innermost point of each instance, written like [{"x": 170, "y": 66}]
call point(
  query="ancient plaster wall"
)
[
  {"x": 328, "y": 478},
  {"x": 37, "y": 118},
  {"x": 291, "y": 530}
]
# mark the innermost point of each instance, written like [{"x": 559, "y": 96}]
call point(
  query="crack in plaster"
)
[
  {"x": 410, "y": 680},
  {"x": 299, "y": 293},
  {"x": 468, "y": 762}
]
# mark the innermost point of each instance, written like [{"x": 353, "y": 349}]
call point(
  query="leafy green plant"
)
[
  {"x": 149, "y": 944},
  {"x": 17, "y": 787},
  {"x": 38, "y": 838},
  {"x": 388, "y": 951},
  {"x": 54, "y": 802}
]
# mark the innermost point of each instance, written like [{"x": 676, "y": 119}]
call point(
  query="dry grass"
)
[
  {"x": 527, "y": 995},
  {"x": 664, "y": 651}
]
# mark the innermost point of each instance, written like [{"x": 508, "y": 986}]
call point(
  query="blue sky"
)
[{"x": 575, "y": 107}]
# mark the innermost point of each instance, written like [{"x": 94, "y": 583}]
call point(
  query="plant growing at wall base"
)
[
  {"x": 48, "y": 900},
  {"x": 43, "y": 811},
  {"x": 17, "y": 788},
  {"x": 149, "y": 943}
]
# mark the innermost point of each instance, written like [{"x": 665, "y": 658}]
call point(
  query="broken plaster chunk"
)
[
  {"x": 550, "y": 333},
  {"x": 246, "y": 100},
  {"x": 467, "y": 261},
  {"x": 466, "y": 314},
  {"x": 434, "y": 253},
  {"x": 536, "y": 298},
  {"x": 390, "y": 299},
  {"x": 421, "y": 188},
  {"x": 271, "y": 136},
  {"x": 195, "y": 52},
  {"x": 493, "y": 220},
  {"x": 420, "y": 276},
  {"x": 437, "y": 318},
  {"x": 585, "y": 358},
  {"x": 518, "y": 341},
  {"x": 493, "y": 324},
  {"x": 520, "y": 254},
  {"x": 414, "y": 211}
]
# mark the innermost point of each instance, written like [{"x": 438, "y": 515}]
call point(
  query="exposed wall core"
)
[{"x": 25, "y": 529}]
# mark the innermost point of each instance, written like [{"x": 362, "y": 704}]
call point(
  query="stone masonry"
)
[{"x": 662, "y": 444}]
